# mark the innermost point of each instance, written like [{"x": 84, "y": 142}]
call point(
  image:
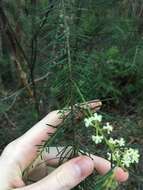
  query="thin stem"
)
[{"x": 69, "y": 60}]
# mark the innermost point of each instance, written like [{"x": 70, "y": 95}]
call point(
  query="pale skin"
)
[{"x": 19, "y": 154}]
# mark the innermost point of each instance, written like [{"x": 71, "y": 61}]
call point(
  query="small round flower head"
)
[
  {"x": 112, "y": 141},
  {"x": 108, "y": 128},
  {"x": 134, "y": 155},
  {"x": 91, "y": 120},
  {"x": 97, "y": 139},
  {"x": 121, "y": 142},
  {"x": 117, "y": 142},
  {"x": 88, "y": 121},
  {"x": 130, "y": 156},
  {"x": 97, "y": 117}
]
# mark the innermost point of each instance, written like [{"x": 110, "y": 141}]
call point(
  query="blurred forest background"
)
[{"x": 102, "y": 40}]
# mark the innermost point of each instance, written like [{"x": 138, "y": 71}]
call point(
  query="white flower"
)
[
  {"x": 108, "y": 128},
  {"x": 134, "y": 154},
  {"x": 121, "y": 142},
  {"x": 118, "y": 142},
  {"x": 97, "y": 117},
  {"x": 97, "y": 139},
  {"x": 91, "y": 120},
  {"x": 130, "y": 156},
  {"x": 127, "y": 157},
  {"x": 112, "y": 141},
  {"x": 88, "y": 121}
]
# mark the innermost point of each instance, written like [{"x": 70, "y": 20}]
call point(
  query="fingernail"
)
[{"x": 83, "y": 166}]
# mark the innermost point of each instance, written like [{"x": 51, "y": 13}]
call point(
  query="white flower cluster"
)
[
  {"x": 126, "y": 157},
  {"x": 120, "y": 154},
  {"x": 97, "y": 139},
  {"x": 117, "y": 142},
  {"x": 90, "y": 121},
  {"x": 130, "y": 156},
  {"x": 108, "y": 128}
]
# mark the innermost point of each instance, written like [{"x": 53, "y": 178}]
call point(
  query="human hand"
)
[{"x": 19, "y": 154}]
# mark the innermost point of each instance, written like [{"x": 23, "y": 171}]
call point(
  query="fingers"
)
[
  {"x": 103, "y": 166},
  {"x": 73, "y": 172},
  {"x": 54, "y": 155},
  {"x": 66, "y": 176},
  {"x": 121, "y": 175},
  {"x": 48, "y": 162},
  {"x": 93, "y": 104},
  {"x": 25, "y": 146}
]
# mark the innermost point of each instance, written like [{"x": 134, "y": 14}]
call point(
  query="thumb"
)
[{"x": 66, "y": 176}]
